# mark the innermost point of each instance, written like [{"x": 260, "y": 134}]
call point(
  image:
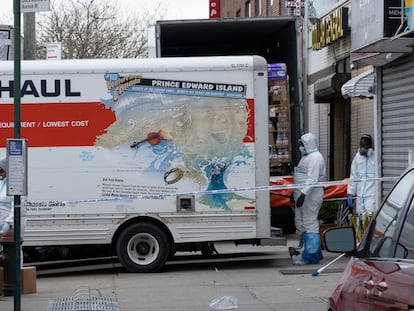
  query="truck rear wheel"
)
[{"x": 143, "y": 247}]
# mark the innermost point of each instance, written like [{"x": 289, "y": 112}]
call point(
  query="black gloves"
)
[
  {"x": 292, "y": 199},
  {"x": 299, "y": 201}
]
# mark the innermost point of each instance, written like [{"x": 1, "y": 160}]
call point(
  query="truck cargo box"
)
[{"x": 145, "y": 155}]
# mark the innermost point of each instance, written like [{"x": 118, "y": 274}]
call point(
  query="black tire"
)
[{"x": 143, "y": 247}]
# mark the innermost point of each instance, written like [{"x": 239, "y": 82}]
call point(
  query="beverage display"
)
[{"x": 279, "y": 120}]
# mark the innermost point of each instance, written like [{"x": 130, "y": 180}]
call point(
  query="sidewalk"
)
[{"x": 264, "y": 281}]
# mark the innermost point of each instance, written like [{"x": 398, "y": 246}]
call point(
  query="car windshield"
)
[{"x": 386, "y": 240}]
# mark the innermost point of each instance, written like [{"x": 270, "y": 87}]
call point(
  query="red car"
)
[{"x": 380, "y": 272}]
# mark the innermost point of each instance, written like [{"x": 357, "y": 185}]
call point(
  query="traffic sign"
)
[
  {"x": 28, "y": 6},
  {"x": 54, "y": 51},
  {"x": 17, "y": 166}
]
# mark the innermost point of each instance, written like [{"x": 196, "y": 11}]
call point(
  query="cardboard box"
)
[
  {"x": 28, "y": 280},
  {"x": 28, "y": 277},
  {"x": 279, "y": 96}
]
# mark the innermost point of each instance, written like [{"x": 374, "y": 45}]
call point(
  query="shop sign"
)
[
  {"x": 409, "y": 13},
  {"x": 374, "y": 21},
  {"x": 214, "y": 7},
  {"x": 30, "y": 6},
  {"x": 330, "y": 28},
  {"x": 392, "y": 17}
]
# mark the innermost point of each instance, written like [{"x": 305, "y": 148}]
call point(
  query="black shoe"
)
[{"x": 293, "y": 251}]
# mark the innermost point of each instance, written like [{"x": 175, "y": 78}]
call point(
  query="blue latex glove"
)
[{"x": 350, "y": 199}]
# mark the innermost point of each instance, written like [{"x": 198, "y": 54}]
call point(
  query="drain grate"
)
[{"x": 83, "y": 301}]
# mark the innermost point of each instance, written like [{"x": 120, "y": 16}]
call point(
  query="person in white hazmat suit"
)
[
  {"x": 308, "y": 200},
  {"x": 363, "y": 166}
]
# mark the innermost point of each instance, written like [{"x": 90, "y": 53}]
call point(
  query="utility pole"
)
[
  {"x": 29, "y": 35},
  {"x": 305, "y": 29}
]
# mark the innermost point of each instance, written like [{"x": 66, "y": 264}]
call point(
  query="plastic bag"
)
[{"x": 224, "y": 303}]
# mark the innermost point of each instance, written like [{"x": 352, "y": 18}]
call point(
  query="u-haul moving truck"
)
[{"x": 145, "y": 155}]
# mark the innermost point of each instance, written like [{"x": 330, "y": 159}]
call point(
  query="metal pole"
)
[
  {"x": 29, "y": 32},
  {"x": 305, "y": 70},
  {"x": 17, "y": 129}
]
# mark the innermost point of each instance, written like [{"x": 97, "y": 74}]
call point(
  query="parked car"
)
[{"x": 380, "y": 272}]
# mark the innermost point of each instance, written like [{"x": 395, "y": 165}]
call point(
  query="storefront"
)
[
  {"x": 397, "y": 116},
  {"x": 381, "y": 38},
  {"x": 329, "y": 68}
]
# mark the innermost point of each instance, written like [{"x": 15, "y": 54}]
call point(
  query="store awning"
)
[
  {"x": 359, "y": 86},
  {"x": 330, "y": 86}
]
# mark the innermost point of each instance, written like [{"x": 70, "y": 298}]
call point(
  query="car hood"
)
[{"x": 375, "y": 285}]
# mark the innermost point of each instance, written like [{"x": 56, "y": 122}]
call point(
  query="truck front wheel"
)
[{"x": 143, "y": 247}]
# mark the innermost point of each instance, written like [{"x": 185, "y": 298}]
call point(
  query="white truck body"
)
[
  {"x": 6, "y": 42},
  {"x": 90, "y": 179}
]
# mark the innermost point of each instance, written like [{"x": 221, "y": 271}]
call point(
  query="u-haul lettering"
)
[{"x": 46, "y": 88}]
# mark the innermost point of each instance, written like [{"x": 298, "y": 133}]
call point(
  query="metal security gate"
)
[{"x": 397, "y": 117}]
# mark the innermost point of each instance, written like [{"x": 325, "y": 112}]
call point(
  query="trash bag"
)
[
  {"x": 336, "y": 191},
  {"x": 281, "y": 197},
  {"x": 224, "y": 303}
]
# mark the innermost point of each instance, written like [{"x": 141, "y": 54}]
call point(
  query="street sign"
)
[
  {"x": 17, "y": 166},
  {"x": 54, "y": 51},
  {"x": 28, "y": 6},
  {"x": 296, "y": 5}
]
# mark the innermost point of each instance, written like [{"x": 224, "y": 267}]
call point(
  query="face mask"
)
[{"x": 363, "y": 151}]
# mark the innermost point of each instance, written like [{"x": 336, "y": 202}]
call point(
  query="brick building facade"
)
[{"x": 250, "y": 8}]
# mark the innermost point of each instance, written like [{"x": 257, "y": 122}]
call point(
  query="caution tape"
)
[{"x": 227, "y": 190}]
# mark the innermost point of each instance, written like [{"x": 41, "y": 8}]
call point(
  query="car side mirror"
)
[{"x": 340, "y": 240}]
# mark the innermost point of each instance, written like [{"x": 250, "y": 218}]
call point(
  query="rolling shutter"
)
[{"x": 397, "y": 116}]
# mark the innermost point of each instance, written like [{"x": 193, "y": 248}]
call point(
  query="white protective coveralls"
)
[
  {"x": 311, "y": 169},
  {"x": 363, "y": 167}
]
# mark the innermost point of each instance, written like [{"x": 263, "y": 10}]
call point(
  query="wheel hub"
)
[{"x": 143, "y": 248}]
